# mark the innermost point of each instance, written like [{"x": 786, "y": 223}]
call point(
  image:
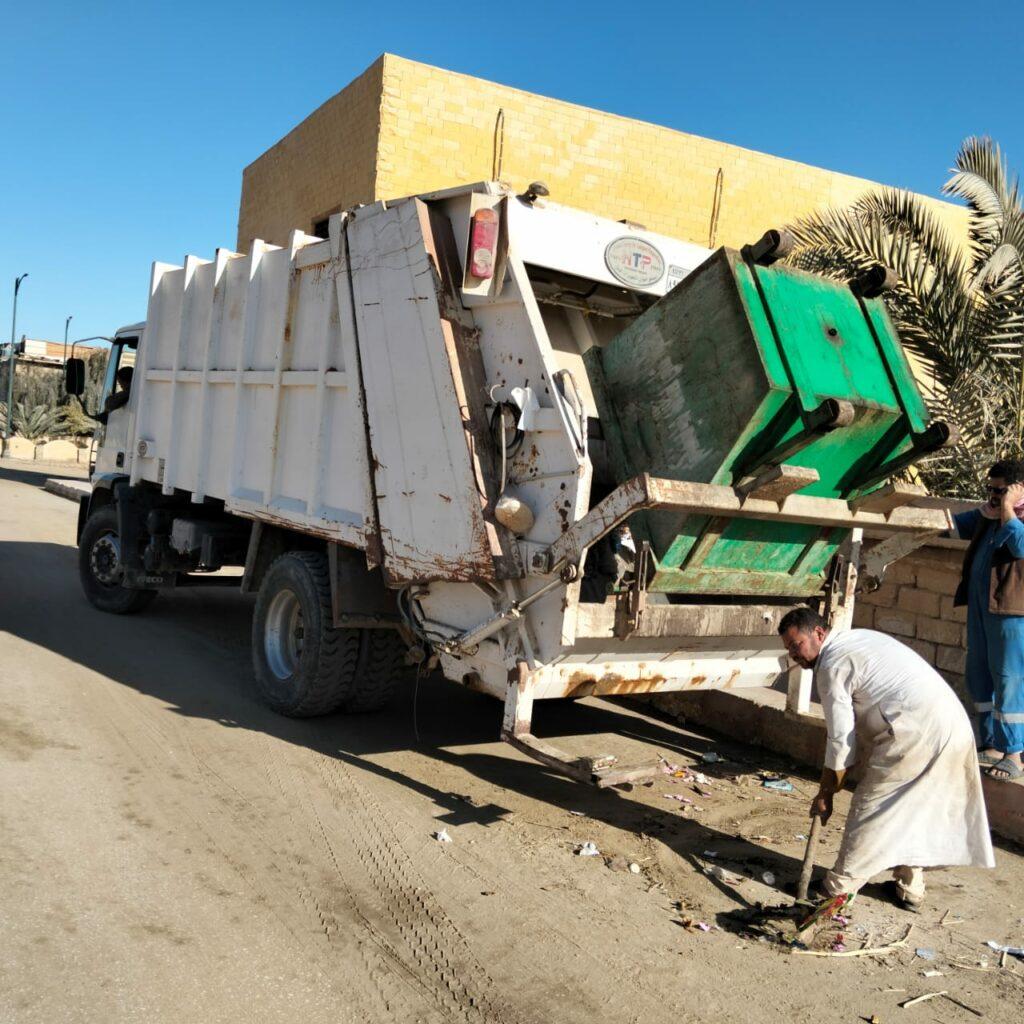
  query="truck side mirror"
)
[{"x": 74, "y": 377}]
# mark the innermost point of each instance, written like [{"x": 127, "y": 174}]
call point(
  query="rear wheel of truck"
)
[
  {"x": 304, "y": 666},
  {"x": 99, "y": 567},
  {"x": 381, "y": 666}
]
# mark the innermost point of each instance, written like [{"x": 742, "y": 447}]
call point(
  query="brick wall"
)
[
  {"x": 404, "y": 127},
  {"x": 915, "y": 605},
  {"x": 326, "y": 163}
]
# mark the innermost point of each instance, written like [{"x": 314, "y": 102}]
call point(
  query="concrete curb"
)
[{"x": 70, "y": 489}]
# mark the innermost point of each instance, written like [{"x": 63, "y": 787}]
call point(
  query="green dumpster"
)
[{"x": 742, "y": 367}]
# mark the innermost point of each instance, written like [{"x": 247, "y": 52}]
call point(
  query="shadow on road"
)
[{"x": 190, "y": 650}]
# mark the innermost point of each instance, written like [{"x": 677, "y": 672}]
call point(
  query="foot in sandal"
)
[
  {"x": 1007, "y": 770},
  {"x": 990, "y": 756}
]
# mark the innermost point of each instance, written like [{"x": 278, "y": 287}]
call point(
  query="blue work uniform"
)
[{"x": 995, "y": 643}]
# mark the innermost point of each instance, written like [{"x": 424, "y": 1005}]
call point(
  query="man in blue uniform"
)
[{"x": 992, "y": 587}]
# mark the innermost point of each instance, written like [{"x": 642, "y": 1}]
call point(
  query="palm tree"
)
[
  {"x": 35, "y": 421},
  {"x": 958, "y": 309}
]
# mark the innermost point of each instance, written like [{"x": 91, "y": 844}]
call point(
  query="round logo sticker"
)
[{"x": 634, "y": 262}]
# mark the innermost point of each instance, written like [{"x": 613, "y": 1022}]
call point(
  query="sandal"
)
[
  {"x": 1011, "y": 769},
  {"x": 987, "y": 759}
]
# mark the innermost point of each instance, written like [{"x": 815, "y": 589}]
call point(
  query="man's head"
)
[
  {"x": 124, "y": 377},
  {"x": 1000, "y": 476},
  {"x": 803, "y": 632}
]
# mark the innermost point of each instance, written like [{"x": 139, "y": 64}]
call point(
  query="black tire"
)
[
  {"x": 381, "y": 667},
  {"x": 303, "y": 666},
  {"x": 99, "y": 567}
]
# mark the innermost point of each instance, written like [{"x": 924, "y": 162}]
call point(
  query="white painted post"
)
[{"x": 798, "y": 690}]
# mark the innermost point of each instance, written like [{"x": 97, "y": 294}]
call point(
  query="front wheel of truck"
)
[{"x": 99, "y": 567}]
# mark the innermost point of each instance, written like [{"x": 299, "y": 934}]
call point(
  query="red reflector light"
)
[{"x": 483, "y": 238}]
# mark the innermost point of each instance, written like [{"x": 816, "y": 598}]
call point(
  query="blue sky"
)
[{"x": 124, "y": 128}]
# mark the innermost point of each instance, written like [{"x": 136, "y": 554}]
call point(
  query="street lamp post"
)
[
  {"x": 66, "y": 325},
  {"x": 10, "y": 360}
]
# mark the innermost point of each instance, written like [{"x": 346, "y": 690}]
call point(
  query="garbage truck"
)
[{"x": 550, "y": 453}]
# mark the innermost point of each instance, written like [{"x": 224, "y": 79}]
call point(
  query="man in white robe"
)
[{"x": 918, "y": 803}]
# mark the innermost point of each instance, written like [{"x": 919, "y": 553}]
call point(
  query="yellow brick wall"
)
[
  {"x": 405, "y": 127},
  {"x": 326, "y": 163},
  {"x": 438, "y": 129}
]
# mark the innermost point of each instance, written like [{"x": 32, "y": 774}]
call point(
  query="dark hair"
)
[
  {"x": 802, "y": 619},
  {"x": 1011, "y": 470}
]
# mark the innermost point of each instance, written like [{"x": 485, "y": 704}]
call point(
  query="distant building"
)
[
  {"x": 47, "y": 353},
  {"x": 403, "y": 128}
]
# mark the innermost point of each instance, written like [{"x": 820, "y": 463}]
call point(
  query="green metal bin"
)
[{"x": 739, "y": 368}]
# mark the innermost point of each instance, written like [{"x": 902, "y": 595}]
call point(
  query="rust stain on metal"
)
[{"x": 585, "y": 684}]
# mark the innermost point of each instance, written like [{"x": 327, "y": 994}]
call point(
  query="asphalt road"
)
[{"x": 171, "y": 851}]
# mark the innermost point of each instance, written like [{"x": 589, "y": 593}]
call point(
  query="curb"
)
[{"x": 70, "y": 489}]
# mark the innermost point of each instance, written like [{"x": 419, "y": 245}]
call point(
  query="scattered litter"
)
[
  {"x": 874, "y": 1019},
  {"x": 710, "y": 853},
  {"x": 715, "y": 871},
  {"x": 769, "y": 775},
  {"x": 676, "y": 796},
  {"x": 634, "y": 868},
  {"x": 1012, "y": 950},
  {"x": 841, "y": 920},
  {"x": 588, "y": 849},
  {"x": 702, "y": 792},
  {"x": 779, "y": 785},
  {"x": 921, "y": 999},
  {"x": 442, "y": 836},
  {"x": 700, "y": 778},
  {"x": 692, "y": 924},
  {"x": 710, "y": 757},
  {"x": 925, "y": 954},
  {"x": 768, "y": 878},
  {"x": 932, "y": 974},
  {"x": 865, "y": 951},
  {"x": 578, "y": 814},
  {"x": 801, "y": 837}
]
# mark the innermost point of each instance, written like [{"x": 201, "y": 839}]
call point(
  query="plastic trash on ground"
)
[
  {"x": 1012, "y": 950},
  {"x": 779, "y": 785},
  {"x": 588, "y": 849},
  {"x": 442, "y": 836},
  {"x": 716, "y": 871}
]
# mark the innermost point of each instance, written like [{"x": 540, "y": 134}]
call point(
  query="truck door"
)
[{"x": 111, "y": 455}]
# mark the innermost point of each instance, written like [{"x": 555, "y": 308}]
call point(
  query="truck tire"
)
[
  {"x": 381, "y": 666},
  {"x": 99, "y": 567},
  {"x": 303, "y": 665}
]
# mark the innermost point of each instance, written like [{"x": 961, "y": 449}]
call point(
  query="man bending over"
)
[{"x": 918, "y": 803}]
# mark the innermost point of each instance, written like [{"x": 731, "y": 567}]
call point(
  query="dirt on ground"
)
[{"x": 171, "y": 851}]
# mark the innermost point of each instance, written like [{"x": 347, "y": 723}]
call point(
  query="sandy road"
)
[{"x": 173, "y": 852}]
